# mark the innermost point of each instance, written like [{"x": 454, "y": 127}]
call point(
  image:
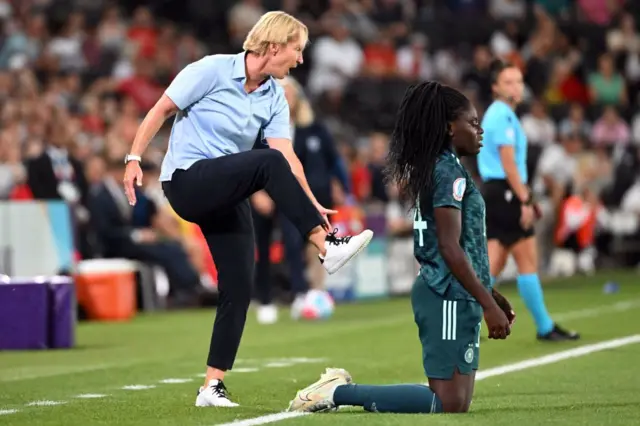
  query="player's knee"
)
[
  {"x": 456, "y": 403},
  {"x": 274, "y": 158}
]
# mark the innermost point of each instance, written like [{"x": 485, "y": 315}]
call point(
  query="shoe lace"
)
[
  {"x": 332, "y": 239},
  {"x": 220, "y": 390}
]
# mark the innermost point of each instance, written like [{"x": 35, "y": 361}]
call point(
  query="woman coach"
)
[{"x": 222, "y": 103}]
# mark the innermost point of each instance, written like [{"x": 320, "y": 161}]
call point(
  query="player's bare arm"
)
[
  {"x": 504, "y": 305},
  {"x": 507, "y": 156},
  {"x": 448, "y": 230}
]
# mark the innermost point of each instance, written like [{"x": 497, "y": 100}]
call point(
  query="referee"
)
[
  {"x": 510, "y": 211},
  {"x": 222, "y": 103}
]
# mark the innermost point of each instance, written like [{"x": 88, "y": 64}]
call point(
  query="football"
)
[{"x": 317, "y": 304}]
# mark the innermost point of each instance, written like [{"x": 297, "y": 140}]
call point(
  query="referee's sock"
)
[
  {"x": 409, "y": 398},
  {"x": 531, "y": 293}
]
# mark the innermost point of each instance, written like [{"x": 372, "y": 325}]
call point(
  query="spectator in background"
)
[
  {"x": 359, "y": 174},
  {"x": 607, "y": 87},
  {"x": 575, "y": 123},
  {"x": 380, "y": 56},
  {"x": 379, "y": 143},
  {"x": 610, "y": 129},
  {"x": 242, "y": 16},
  {"x": 189, "y": 50},
  {"x": 478, "y": 77},
  {"x": 552, "y": 184},
  {"x": 507, "y": 9},
  {"x": 414, "y": 63},
  {"x": 142, "y": 32},
  {"x": 355, "y": 15},
  {"x": 506, "y": 41},
  {"x": 539, "y": 64},
  {"x": 135, "y": 232},
  {"x": 112, "y": 32},
  {"x": 57, "y": 175},
  {"x": 95, "y": 170},
  {"x": 541, "y": 131},
  {"x": 624, "y": 44},
  {"x": 564, "y": 86},
  {"x": 12, "y": 170},
  {"x": 635, "y": 134},
  {"x": 66, "y": 47},
  {"x": 337, "y": 58},
  {"x": 315, "y": 147},
  {"x": 22, "y": 42},
  {"x": 577, "y": 223},
  {"x": 624, "y": 39},
  {"x": 142, "y": 86},
  {"x": 392, "y": 16},
  {"x": 599, "y": 12},
  {"x": 555, "y": 8},
  {"x": 402, "y": 266},
  {"x": 538, "y": 126}
]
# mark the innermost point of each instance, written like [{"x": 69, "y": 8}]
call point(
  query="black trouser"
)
[{"x": 214, "y": 194}]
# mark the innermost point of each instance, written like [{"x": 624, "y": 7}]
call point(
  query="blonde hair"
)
[
  {"x": 303, "y": 115},
  {"x": 277, "y": 28}
]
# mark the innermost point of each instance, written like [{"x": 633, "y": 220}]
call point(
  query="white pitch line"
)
[
  {"x": 626, "y": 305},
  {"x": 278, "y": 364},
  {"x": 244, "y": 370},
  {"x": 481, "y": 375},
  {"x": 270, "y": 418},
  {"x": 137, "y": 387},
  {"x": 558, "y": 356},
  {"x": 175, "y": 381},
  {"x": 90, "y": 396},
  {"x": 45, "y": 403},
  {"x": 14, "y": 375},
  {"x": 5, "y": 412}
]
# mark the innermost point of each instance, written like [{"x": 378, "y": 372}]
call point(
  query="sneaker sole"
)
[
  {"x": 355, "y": 253},
  {"x": 315, "y": 407}
]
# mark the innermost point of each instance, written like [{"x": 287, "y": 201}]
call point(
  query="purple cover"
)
[
  {"x": 377, "y": 223},
  {"x": 23, "y": 314},
  {"x": 62, "y": 312}
]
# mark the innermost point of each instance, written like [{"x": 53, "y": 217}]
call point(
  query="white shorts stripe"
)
[
  {"x": 444, "y": 319},
  {"x": 449, "y": 319},
  {"x": 455, "y": 318}
]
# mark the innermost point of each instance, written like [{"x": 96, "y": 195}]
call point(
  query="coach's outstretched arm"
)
[
  {"x": 151, "y": 124},
  {"x": 448, "y": 230},
  {"x": 273, "y": 131}
]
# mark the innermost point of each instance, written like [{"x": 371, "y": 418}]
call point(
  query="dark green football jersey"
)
[{"x": 451, "y": 186}]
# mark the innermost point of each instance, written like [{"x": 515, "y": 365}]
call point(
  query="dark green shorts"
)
[{"x": 449, "y": 331}]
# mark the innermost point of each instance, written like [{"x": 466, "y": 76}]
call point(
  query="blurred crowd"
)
[{"x": 77, "y": 76}]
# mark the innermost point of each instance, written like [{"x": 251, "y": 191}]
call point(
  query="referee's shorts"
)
[{"x": 503, "y": 211}]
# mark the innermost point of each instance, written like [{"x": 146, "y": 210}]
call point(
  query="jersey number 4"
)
[{"x": 419, "y": 224}]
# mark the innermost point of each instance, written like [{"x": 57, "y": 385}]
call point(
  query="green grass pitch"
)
[{"x": 160, "y": 359}]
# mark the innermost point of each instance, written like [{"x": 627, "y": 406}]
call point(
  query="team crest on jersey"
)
[
  {"x": 468, "y": 355},
  {"x": 459, "y": 185}
]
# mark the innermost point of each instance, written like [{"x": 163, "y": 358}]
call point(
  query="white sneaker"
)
[
  {"x": 340, "y": 250},
  {"x": 214, "y": 395},
  {"x": 267, "y": 314},
  {"x": 319, "y": 396}
]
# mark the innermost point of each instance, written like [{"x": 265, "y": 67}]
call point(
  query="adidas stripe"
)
[{"x": 449, "y": 319}]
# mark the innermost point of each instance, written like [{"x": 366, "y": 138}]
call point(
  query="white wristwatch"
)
[{"x": 130, "y": 157}]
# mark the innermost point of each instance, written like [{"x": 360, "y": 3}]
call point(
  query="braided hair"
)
[{"x": 421, "y": 135}]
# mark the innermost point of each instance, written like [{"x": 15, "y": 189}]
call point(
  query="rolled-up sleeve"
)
[
  {"x": 193, "y": 83},
  {"x": 279, "y": 126}
]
